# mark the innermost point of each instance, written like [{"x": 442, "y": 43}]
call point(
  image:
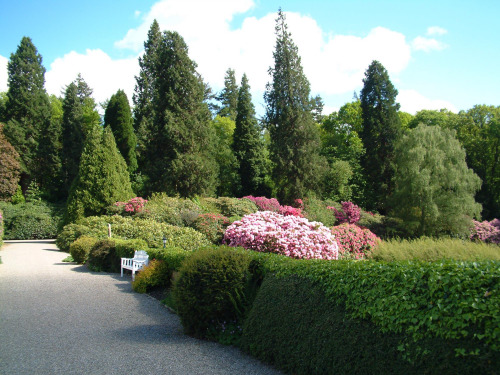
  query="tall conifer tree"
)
[
  {"x": 295, "y": 142},
  {"x": 179, "y": 151},
  {"x": 27, "y": 108},
  {"x": 381, "y": 130},
  {"x": 229, "y": 96},
  {"x": 118, "y": 117},
  {"x": 248, "y": 145}
]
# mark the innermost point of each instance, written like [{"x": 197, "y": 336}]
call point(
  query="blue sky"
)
[{"x": 438, "y": 53}]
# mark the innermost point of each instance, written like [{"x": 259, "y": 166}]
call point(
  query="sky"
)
[{"x": 439, "y": 53}]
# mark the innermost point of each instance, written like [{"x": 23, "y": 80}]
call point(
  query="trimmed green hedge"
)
[{"x": 1, "y": 228}]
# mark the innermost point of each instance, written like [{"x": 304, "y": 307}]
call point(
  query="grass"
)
[{"x": 429, "y": 249}]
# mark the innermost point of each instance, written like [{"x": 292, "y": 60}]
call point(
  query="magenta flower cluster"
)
[
  {"x": 354, "y": 242},
  {"x": 486, "y": 231},
  {"x": 350, "y": 213},
  {"x": 133, "y": 206},
  {"x": 272, "y": 204},
  {"x": 293, "y": 236}
]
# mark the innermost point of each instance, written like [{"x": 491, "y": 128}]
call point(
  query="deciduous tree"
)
[{"x": 10, "y": 168}]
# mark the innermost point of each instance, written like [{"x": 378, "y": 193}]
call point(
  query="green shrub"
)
[
  {"x": 429, "y": 249},
  {"x": 445, "y": 315},
  {"x": 213, "y": 226},
  {"x": 126, "y": 248},
  {"x": 80, "y": 248},
  {"x": 1, "y": 228},
  {"x": 155, "y": 274},
  {"x": 234, "y": 207},
  {"x": 28, "y": 221},
  {"x": 169, "y": 210},
  {"x": 70, "y": 234},
  {"x": 103, "y": 257},
  {"x": 211, "y": 292},
  {"x": 316, "y": 210}
]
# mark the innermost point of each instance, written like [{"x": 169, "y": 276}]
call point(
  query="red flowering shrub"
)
[
  {"x": 354, "y": 242},
  {"x": 486, "y": 231},
  {"x": 290, "y": 211},
  {"x": 212, "y": 225},
  {"x": 133, "y": 206},
  {"x": 350, "y": 213},
  {"x": 265, "y": 204}
]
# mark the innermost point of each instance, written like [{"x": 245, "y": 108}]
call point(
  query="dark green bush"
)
[
  {"x": 212, "y": 292},
  {"x": 155, "y": 274},
  {"x": 444, "y": 316},
  {"x": 103, "y": 257},
  {"x": 80, "y": 248},
  {"x": 28, "y": 221}
]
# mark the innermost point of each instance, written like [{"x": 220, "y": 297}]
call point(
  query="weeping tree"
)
[
  {"x": 434, "y": 188},
  {"x": 295, "y": 143}
]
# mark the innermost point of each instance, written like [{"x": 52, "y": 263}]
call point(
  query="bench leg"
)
[
  {"x": 133, "y": 275},
  {"x": 121, "y": 270}
]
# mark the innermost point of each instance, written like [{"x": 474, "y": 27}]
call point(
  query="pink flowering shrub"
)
[
  {"x": 133, "y": 206},
  {"x": 296, "y": 237},
  {"x": 354, "y": 242},
  {"x": 486, "y": 231},
  {"x": 265, "y": 204},
  {"x": 350, "y": 213},
  {"x": 212, "y": 225},
  {"x": 290, "y": 211}
]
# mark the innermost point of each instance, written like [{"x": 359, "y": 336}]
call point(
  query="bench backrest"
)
[{"x": 141, "y": 255}]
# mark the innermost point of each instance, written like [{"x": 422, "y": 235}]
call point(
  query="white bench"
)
[{"x": 140, "y": 259}]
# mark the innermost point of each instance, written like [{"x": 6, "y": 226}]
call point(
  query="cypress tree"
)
[
  {"x": 79, "y": 118},
  {"x": 27, "y": 108},
  {"x": 143, "y": 96},
  {"x": 229, "y": 96},
  {"x": 102, "y": 177},
  {"x": 248, "y": 145},
  {"x": 118, "y": 117},
  {"x": 295, "y": 144},
  {"x": 180, "y": 148},
  {"x": 381, "y": 130}
]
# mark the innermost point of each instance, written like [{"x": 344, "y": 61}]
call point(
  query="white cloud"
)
[
  {"x": 333, "y": 63},
  {"x": 421, "y": 43},
  {"x": 436, "y": 30},
  {"x": 104, "y": 75},
  {"x": 3, "y": 73},
  {"x": 137, "y": 13},
  {"x": 412, "y": 101}
]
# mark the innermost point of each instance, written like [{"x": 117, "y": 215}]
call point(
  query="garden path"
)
[{"x": 60, "y": 318}]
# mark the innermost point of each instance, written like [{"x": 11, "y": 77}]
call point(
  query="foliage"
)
[
  {"x": 228, "y": 97},
  {"x": 155, "y": 274},
  {"x": 213, "y": 226},
  {"x": 69, "y": 234},
  {"x": 132, "y": 207},
  {"x": 317, "y": 210},
  {"x": 179, "y": 148},
  {"x": 441, "y": 316},
  {"x": 337, "y": 181},
  {"x": 350, "y": 213},
  {"x": 80, "y": 248},
  {"x": 170, "y": 210},
  {"x": 27, "y": 221},
  {"x": 9, "y": 168},
  {"x": 486, "y": 231},
  {"x": 18, "y": 196},
  {"x": 381, "y": 130},
  {"x": 298, "y": 167},
  {"x": 354, "y": 242},
  {"x": 102, "y": 177},
  {"x": 234, "y": 207},
  {"x": 103, "y": 257},
  {"x": 1, "y": 228},
  {"x": 118, "y": 117},
  {"x": 434, "y": 188},
  {"x": 212, "y": 291},
  {"x": 265, "y": 204},
  {"x": 27, "y": 107},
  {"x": 432, "y": 250},
  {"x": 292, "y": 236},
  {"x": 248, "y": 146}
]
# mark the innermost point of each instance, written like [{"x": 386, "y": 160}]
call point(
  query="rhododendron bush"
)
[
  {"x": 265, "y": 204},
  {"x": 350, "y": 213},
  {"x": 293, "y": 236},
  {"x": 486, "y": 231},
  {"x": 354, "y": 242}
]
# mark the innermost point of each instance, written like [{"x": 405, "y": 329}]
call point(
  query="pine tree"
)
[
  {"x": 434, "y": 188},
  {"x": 118, "y": 117},
  {"x": 102, "y": 177},
  {"x": 294, "y": 149},
  {"x": 180, "y": 147},
  {"x": 9, "y": 168},
  {"x": 144, "y": 94},
  {"x": 381, "y": 130},
  {"x": 79, "y": 118},
  {"x": 229, "y": 96},
  {"x": 248, "y": 146},
  {"x": 27, "y": 108}
]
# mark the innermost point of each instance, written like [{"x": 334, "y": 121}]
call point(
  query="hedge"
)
[{"x": 1, "y": 228}]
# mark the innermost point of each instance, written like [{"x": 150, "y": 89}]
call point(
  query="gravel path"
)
[{"x": 60, "y": 318}]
